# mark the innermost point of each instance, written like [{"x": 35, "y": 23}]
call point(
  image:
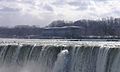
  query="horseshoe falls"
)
[{"x": 59, "y": 56}]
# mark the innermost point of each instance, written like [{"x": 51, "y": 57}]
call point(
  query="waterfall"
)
[
  {"x": 61, "y": 58},
  {"x": 61, "y": 63}
]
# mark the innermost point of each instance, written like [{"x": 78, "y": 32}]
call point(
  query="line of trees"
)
[
  {"x": 103, "y": 27},
  {"x": 109, "y": 27}
]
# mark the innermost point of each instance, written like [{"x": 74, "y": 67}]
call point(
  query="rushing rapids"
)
[{"x": 64, "y": 57}]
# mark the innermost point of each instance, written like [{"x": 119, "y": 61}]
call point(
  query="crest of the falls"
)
[{"x": 59, "y": 58}]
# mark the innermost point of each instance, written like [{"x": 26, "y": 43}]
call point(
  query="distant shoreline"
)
[{"x": 63, "y": 39}]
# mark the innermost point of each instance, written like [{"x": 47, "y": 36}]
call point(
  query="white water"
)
[
  {"x": 60, "y": 56},
  {"x": 61, "y": 62}
]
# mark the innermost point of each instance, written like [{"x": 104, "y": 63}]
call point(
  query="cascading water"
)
[
  {"x": 61, "y": 62},
  {"x": 61, "y": 58}
]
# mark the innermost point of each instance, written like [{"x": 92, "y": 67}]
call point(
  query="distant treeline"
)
[{"x": 105, "y": 28}]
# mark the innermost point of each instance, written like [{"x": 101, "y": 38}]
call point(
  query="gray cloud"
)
[
  {"x": 7, "y": 9},
  {"x": 48, "y": 8},
  {"x": 8, "y": 0},
  {"x": 116, "y": 10},
  {"x": 41, "y": 13},
  {"x": 103, "y": 0},
  {"x": 12, "y": 19},
  {"x": 81, "y": 5},
  {"x": 59, "y": 2}
]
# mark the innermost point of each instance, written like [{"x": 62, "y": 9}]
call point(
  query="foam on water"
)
[{"x": 60, "y": 56}]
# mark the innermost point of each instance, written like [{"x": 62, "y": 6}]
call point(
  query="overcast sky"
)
[{"x": 43, "y": 12}]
